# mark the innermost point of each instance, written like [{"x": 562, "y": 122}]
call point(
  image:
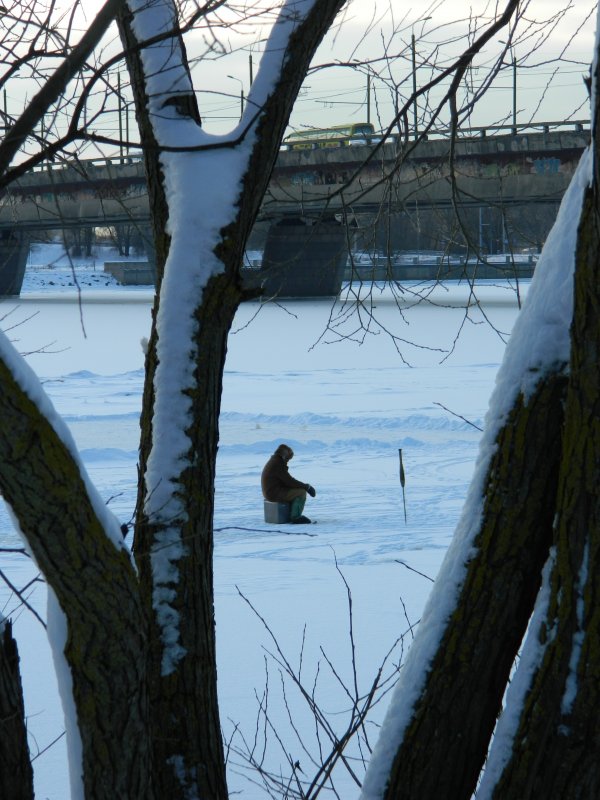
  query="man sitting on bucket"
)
[{"x": 278, "y": 486}]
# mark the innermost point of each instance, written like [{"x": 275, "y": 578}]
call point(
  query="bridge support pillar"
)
[
  {"x": 303, "y": 260},
  {"x": 14, "y": 249}
]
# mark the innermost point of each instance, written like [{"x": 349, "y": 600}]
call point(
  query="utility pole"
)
[
  {"x": 5, "y": 120},
  {"x": 513, "y": 61},
  {"x": 514, "y": 115},
  {"x": 120, "y": 107},
  {"x": 368, "y": 98},
  {"x": 414, "y": 83}
]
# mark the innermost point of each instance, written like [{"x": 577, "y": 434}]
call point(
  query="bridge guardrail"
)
[
  {"x": 106, "y": 161},
  {"x": 473, "y": 132},
  {"x": 113, "y": 187},
  {"x": 482, "y": 131}
]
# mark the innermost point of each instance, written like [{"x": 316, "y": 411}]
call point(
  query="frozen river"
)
[{"x": 346, "y": 385}]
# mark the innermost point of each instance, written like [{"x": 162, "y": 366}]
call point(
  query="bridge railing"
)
[
  {"x": 474, "y": 132},
  {"x": 477, "y": 131},
  {"x": 482, "y": 131},
  {"x": 87, "y": 163}
]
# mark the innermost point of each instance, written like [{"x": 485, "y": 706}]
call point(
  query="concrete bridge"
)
[
  {"x": 524, "y": 165},
  {"x": 527, "y": 164}
]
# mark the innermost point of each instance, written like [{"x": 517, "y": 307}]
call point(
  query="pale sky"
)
[
  {"x": 337, "y": 95},
  {"x": 546, "y": 90}
]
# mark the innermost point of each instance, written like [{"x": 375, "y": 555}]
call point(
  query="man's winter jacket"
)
[{"x": 276, "y": 480}]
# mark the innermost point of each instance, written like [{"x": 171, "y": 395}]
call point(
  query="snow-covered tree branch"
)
[{"x": 202, "y": 242}]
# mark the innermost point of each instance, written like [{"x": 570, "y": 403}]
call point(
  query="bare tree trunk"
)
[
  {"x": 184, "y": 703},
  {"x": 185, "y": 718},
  {"x": 96, "y": 587},
  {"x": 16, "y": 775},
  {"x": 556, "y": 749},
  {"x": 445, "y": 744}
]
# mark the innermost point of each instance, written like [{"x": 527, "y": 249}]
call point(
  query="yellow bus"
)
[{"x": 336, "y": 136}]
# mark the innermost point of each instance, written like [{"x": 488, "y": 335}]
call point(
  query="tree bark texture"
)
[
  {"x": 187, "y": 733},
  {"x": 96, "y": 587},
  {"x": 557, "y": 747},
  {"x": 446, "y": 741},
  {"x": 16, "y": 774}
]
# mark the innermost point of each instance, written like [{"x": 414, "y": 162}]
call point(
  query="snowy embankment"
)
[{"x": 345, "y": 408}]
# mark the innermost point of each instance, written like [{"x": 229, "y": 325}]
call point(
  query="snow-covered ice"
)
[{"x": 346, "y": 409}]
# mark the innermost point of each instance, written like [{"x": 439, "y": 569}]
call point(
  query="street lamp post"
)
[
  {"x": 120, "y": 113},
  {"x": 514, "y": 94},
  {"x": 513, "y": 59},
  {"x": 414, "y": 84}
]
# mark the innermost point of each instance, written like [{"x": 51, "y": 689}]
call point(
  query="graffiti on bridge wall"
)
[
  {"x": 433, "y": 171},
  {"x": 546, "y": 166},
  {"x": 319, "y": 178}
]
